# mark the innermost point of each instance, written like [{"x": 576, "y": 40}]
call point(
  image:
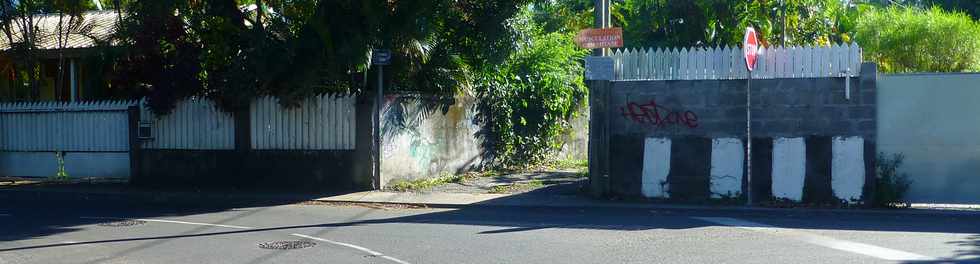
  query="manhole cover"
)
[
  {"x": 284, "y": 245},
  {"x": 122, "y": 223}
]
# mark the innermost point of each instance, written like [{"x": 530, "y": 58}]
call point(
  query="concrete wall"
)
[
  {"x": 424, "y": 137},
  {"x": 679, "y": 139},
  {"x": 299, "y": 171},
  {"x": 934, "y": 120}
]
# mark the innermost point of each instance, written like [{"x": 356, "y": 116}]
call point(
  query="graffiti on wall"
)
[{"x": 653, "y": 114}]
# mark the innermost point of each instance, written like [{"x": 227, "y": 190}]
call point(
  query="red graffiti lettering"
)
[{"x": 657, "y": 115}]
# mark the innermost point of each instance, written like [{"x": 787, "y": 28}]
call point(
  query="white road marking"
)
[
  {"x": 363, "y": 249},
  {"x": 170, "y": 221},
  {"x": 824, "y": 241},
  {"x": 360, "y": 248}
]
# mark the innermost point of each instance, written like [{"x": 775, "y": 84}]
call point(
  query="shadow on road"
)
[{"x": 50, "y": 215}]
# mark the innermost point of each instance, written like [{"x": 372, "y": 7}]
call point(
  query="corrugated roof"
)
[{"x": 95, "y": 25}]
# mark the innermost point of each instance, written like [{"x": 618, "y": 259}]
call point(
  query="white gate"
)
[{"x": 85, "y": 139}]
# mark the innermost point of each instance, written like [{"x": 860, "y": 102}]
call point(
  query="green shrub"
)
[
  {"x": 909, "y": 39},
  {"x": 891, "y": 186},
  {"x": 528, "y": 100}
]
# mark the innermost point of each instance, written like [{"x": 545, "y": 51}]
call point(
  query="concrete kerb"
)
[{"x": 572, "y": 202}]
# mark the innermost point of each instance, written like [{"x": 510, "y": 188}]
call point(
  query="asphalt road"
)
[{"x": 90, "y": 232}]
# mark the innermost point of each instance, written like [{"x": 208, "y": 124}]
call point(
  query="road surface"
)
[{"x": 111, "y": 232}]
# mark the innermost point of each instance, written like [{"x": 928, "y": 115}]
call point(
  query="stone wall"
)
[{"x": 667, "y": 139}]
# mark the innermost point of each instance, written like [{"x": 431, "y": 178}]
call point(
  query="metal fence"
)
[
  {"x": 325, "y": 122},
  {"x": 194, "y": 124},
  {"x": 322, "y": 122},
  {"x": 62, "y": 126},
  {"x": 727, "y": 63}
]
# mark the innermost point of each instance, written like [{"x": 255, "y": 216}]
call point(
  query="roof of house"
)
[{"x": 95, "y": 26}]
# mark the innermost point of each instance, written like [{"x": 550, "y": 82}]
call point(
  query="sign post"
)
[
  {"x": 750, "y": 48},
  {"x": 380, "y": 58}
]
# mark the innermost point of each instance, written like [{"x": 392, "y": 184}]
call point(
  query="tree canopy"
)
[{"x": 220, "y": 50}]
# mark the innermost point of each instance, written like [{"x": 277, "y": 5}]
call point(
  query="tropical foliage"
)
[
  {"x": 231, "y": 50},
  {"x": 920, "y": 40},
  {"x": 529, "y": 99}
]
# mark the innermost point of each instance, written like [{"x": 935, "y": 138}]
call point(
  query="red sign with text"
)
[{"x": 599, "y": 38}]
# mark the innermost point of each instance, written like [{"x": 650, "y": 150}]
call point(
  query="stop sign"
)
[{"x": 750, "y": 47}]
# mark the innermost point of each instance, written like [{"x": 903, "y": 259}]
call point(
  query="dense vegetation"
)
[{"x": 920, "y": 40}]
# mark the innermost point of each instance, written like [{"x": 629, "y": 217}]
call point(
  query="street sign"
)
[
  {"x": 750, "y": 47},
  {"x": 599, "y": 38},
  {"x": 599, "y": 68},
  {"x": 381, "y": 57}
]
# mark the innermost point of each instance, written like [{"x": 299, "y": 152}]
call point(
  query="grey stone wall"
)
[
  {"x": 692, "y": 113},
  {"x": 716, "y": 108}
]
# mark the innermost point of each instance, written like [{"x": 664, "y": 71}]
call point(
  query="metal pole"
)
[
  {"x": 748, "y": 139},
  {"x": 602, "y": 19},
  {"x": 782, "y": 3},
  {"x": 377, "y": 121}
]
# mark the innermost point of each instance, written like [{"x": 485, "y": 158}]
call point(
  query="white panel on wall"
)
[
  {"x": 788, "y": 168},
  {"x": 847, "y": 168},
  {"x": 656, "y": 167},
  {"x": 727, "y": 160}
]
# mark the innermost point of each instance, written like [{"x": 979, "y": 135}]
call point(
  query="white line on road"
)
[
  {"x": 824, "y": 241},
  {"x": 363, "y": 249},
  {"x": 170, "y": 221}
]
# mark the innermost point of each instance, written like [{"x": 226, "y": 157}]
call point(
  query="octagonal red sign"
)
[{"x": 750, "y": 47}]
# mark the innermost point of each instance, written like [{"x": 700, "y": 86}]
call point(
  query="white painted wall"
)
[
  {"x": 656, "y": 167},
  {"x": 847, "y": 168},
  {"x": 788, "y": 168},
  {"x": 932, "y": 119},
  {"x": 727, "y": 160}
]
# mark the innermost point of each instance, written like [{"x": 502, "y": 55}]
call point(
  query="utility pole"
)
[
  {"x": 602, "y": 20},
  {"x": 782, "y": 4}
]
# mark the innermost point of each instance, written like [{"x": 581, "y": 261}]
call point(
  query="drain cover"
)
[
  {"x": 122, "y": 223},
  {"x": 284, "y": 245}
]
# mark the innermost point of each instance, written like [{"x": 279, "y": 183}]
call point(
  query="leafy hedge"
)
[
  {"x": 530, "y": 98},
  {"x": 910, "y": 39}
]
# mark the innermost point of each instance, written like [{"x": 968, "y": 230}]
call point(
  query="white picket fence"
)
[
  {"x": 62, "y": 126},
  {"x": 325, "y": 122},
  {"x": 194, "y": 124},
  {"x": 728, "y": 63}
]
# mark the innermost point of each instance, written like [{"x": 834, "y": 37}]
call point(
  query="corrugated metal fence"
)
[
  {"x": 728, "y": 63},
  {"x": 194, "y": 124},
  {"x": 324, "y": 122},
  {"x": 62, "y": 126}
]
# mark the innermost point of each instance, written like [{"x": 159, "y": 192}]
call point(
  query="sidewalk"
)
[
  {"x": 124, "y": 193},
  {"x": 461, "y": 200}
]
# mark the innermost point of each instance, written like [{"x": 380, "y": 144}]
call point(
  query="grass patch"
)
[
  {"x": 517, "y": 187},
  {"x": 576, "y": 164},
  {"x": 425, "y": 184}
]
